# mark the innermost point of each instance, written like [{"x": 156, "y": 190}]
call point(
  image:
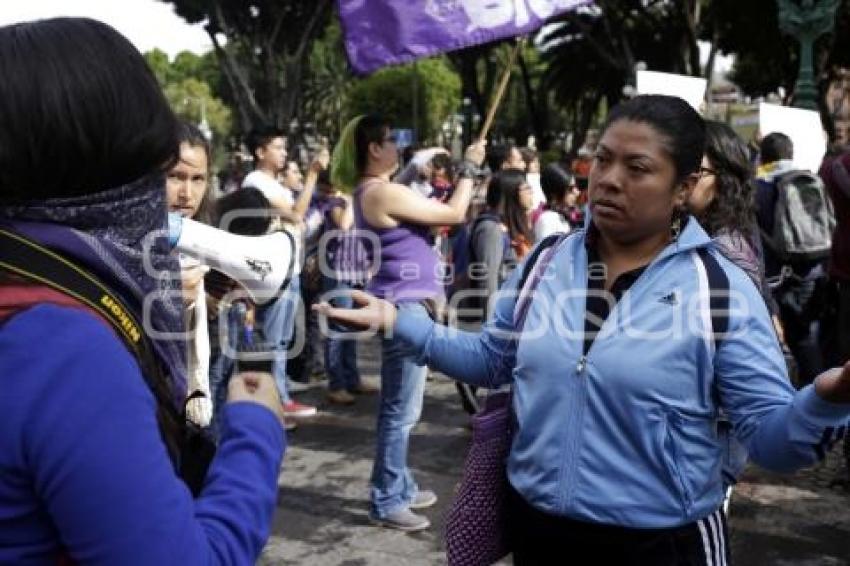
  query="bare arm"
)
[
  {"x": 302, "y": 203},
  {"x": 284, "y": 209},
  {"x": 343, "y": 216},
  {"x": 389, "y": 204}
]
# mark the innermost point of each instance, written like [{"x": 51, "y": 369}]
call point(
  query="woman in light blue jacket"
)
[{"x": 638, "y": 334}]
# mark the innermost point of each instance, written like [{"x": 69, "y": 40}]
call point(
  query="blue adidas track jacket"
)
[{"x": 627, "y": 435}]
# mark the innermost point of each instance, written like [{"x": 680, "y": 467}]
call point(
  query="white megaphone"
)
[{"x": 263, "y": 265}]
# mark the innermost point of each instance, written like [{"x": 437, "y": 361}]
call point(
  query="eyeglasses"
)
[
  {"x": 391, "y": 138},
  {"x": 705, "y": 172}
]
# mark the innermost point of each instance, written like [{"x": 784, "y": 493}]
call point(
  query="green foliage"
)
[
  {"x": 189, "y": 86},
  {"x": 765, "y": 57},
  {"x": 157, "y": 60},
  {"x": 328, "y": 83},
  {"x": 189, "y": 97},
  {"x": 262, "y": 47},
  {"x": 390, "y": 93}
]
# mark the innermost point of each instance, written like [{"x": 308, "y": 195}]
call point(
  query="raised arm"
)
[
  {"x": 388, "y": 204},
  {"x": 302, "y": 203}
]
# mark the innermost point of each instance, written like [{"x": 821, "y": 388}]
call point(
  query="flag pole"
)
[{"x": 500, "y": 91}]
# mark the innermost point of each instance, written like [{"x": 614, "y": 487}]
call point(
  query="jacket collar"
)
[{"x": 693, "y": 236}]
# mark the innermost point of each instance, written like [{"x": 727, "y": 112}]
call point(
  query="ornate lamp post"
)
[
  {"x": 203, "y": 125},
  {"x": 806, "y": 21}
]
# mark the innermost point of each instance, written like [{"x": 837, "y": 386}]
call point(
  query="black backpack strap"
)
[
  {"x": 718, "y": 287},
  {"x": 34, "y": 262},
  {"x": 544, "y": 245}
]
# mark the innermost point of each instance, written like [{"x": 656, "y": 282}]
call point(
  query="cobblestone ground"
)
[{"x": 322, "y": 508}]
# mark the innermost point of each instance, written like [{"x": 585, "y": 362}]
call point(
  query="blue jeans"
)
[
  {"x": 402, "y": 391},
  {"x": 277, "y": 321},
  {"x": 222, "y": 365},
  {"x": 340, "y": 351}
]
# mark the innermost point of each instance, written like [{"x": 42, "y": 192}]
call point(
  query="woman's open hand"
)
[{"x": 370, "y": 312}]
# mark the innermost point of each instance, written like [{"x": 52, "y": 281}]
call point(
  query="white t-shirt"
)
[
  {"x": 548, "y": 223},
  {"x": 533, "y": 180},
  {"x": 267, "y": 185},
  {"x": 271, "y": 188}
]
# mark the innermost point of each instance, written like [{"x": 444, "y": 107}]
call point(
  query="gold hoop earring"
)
[{"x": 676, "y": 225}]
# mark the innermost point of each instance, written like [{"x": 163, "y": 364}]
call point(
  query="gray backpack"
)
[{"x": 803, "y": 219}]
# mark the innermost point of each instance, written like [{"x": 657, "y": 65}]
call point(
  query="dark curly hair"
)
[{"x": 733, "y": 207}]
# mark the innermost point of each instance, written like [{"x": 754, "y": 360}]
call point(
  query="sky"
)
[{"x": 146, "y": 23}]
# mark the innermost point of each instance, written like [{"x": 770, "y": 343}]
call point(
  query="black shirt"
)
[{"x": 599, "y": 302}]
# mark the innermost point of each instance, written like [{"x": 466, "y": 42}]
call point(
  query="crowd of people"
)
[{"x": 693, "y": 315}]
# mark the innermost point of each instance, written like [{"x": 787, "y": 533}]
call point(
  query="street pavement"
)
[{"x": 322, "y": 515}]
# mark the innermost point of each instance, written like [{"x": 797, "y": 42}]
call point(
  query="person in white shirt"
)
[
  {"x": 561, "y": 212},
  {"x": 277, "y": 318},
  {"x": 532, "y": 175}
]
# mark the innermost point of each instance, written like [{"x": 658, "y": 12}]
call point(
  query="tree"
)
[
  {"x": 592, "y": 52},
  {"x": 192, "y": 100},
  {"x": 765, "y": 58},
  {"x": 390, "y": 92},
  {"x": 328, "y": 84},
  {"x": 188, "y": 83},
  {"x": 262, "y": 47}
]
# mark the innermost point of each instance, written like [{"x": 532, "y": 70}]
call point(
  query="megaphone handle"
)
[{"x": 175, "y": 228}]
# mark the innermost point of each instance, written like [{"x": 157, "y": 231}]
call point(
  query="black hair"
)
[
  {"x": 190, "y": 134},
  {"x": 324, "y": 177},
  {"x": 507, "y": 182},
  {"x": 442, "y": 161},
  {"x": 775, "y": 147},
  {"x": 733, "y": 208},
  {"x": 252, "y": 214},
  {"x": 555, "y": 182},
  {"x": 497, "y": 155},
  {"x": 493, "y": 198},
  {"x": 261, "y": 137},
  {"x": 528, "y": 155},
  {"x": 80, "y": 111},
  {"x": 682, "y": 128},
  {"x": 370, "y": 129}
]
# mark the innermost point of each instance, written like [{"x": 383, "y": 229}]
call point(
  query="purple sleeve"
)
[{"x": 87, "y": 435}]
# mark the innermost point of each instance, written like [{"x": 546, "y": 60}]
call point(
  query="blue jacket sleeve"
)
[
  {"x": 484, "y": 358},
  {"x": 783, "y": 429},
  {"x": 89, "y": 438}
]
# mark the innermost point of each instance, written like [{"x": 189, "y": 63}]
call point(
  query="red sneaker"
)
[{"x": 295, "y": 409}]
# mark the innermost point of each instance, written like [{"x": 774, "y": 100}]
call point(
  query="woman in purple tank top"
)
[{"x": 406, "y": 273}]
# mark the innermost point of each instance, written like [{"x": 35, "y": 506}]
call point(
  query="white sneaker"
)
[{"x": 404, "y": 520}]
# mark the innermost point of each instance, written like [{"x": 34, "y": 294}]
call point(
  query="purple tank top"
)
[{"x": 408, "y": 268}]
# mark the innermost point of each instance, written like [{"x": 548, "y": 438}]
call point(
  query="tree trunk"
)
[
  {"x": 690, "y": 9},
  {"x": 585, "y": 112},
  {"x": 530, "y": 100},
  {"x": 250, "y": 113}
]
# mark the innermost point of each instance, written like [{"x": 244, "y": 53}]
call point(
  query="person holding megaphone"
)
[{"x": 92, "y": 361}]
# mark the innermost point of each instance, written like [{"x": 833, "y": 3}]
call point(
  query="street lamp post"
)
[
  {"x": 466, "y": 111},
  {"x": 203, "y": 125},
  {"x": 806, "y": 22}
]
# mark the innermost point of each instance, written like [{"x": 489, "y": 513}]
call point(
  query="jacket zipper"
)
[{"x": 568, "y": 478}]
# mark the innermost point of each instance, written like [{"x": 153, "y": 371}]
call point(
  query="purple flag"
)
[{"x": 384, "y": 32}]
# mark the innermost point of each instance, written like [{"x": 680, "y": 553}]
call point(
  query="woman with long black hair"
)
[{"x": 90, "y": 433}]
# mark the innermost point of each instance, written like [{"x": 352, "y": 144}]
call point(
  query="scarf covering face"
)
[{"x": 118, "y": 235}]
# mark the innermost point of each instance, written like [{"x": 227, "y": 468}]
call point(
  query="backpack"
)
[{"x": 804, "y": 219}]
